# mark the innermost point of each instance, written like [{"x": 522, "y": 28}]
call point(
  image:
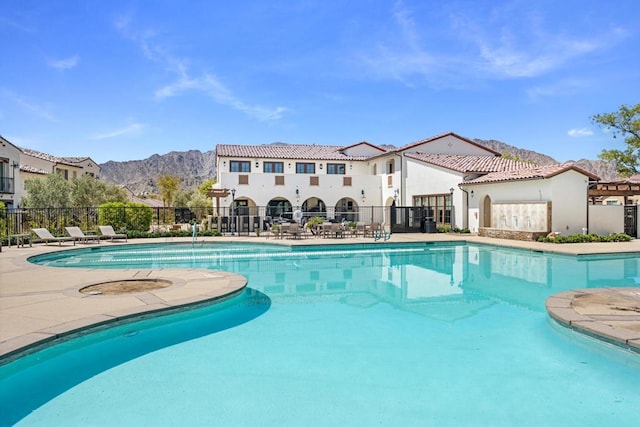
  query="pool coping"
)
[
  {"x": 608, "y": 314},
  {"x": 40, "y": 305}
]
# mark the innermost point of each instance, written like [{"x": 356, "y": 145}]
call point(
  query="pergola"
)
[
  {"x": 622, "y": 188},
  {"x": 218, "y": 193}
]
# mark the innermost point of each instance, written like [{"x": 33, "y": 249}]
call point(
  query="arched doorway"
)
[
  {"x": 486, "y": 212},
  {"x": 346, "y": 210},
  {"x": 313, "y": 207},
  {"x": 244, "y": 215},
  {"x": 279, "y": 207}
]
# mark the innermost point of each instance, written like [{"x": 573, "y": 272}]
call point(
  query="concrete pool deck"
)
[{"x": 39, "y": 304}]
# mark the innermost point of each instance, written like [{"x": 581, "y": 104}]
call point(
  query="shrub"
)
[
  {"x": 461, "y": 230},
  {"x": 113, "y": 214},
  {"x": 138, "y": 216},
  {"x": 130, "y": 216},
  {"x": 586, "y": 238}
]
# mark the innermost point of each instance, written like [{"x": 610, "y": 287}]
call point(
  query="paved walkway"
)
[{"x": 39, "y": 304}]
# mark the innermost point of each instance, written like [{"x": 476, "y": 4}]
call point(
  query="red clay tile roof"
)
[
  {"x": 537, "y": 172},
  {"x": 31, "y": 169},
  {"x": 478, "y": 164},
  {"x": 47, "y": 157},
  {"x": 289, "y": 151}
]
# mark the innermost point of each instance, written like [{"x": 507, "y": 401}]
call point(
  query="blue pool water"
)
[{"x": 358, "y": 335}]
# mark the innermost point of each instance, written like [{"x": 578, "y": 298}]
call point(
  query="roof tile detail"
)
[
  {"x": 275, "y": 151},
  {"x": 47, "y": 157},
  {"x": 538, "y": 172},
  {"x": 464, "y": 164}
]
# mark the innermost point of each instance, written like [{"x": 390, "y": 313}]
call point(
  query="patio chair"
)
[
  {"x": 77, "y": 235},
  {"x": 46, "y": 236},
  {"x": 294, "y": 230},
  {"x": 107, "y": 231},
  {"x": 373, "y": 229}
]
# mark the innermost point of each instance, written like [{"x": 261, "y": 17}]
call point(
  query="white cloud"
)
[
  {"x": 206, "y": 83},
  {"x": 132, "y": 129},
  {"x": 29, "y": 106},
  {"x": 64, "y": 64},
  {"x": 212, "y": 87},
  {"x": 579, "y": 133},
  {"x": 480, "y": 42}
]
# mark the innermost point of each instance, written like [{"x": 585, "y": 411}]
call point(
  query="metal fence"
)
[{"x": 240, "y": 220}]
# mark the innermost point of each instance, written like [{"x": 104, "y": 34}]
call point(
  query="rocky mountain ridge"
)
[{"x": 194, "y": 167}]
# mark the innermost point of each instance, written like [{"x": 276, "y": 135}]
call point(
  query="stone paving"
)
[{"x": 39, "y": 304}]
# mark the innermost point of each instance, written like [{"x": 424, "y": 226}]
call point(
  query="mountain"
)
[
  {"x": 140, "y": 176},
  {"x": 194, "y": 167},
  {"x": 605, "y": 170}
]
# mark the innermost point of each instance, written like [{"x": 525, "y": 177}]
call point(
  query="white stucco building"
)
[
  {"x": 11, "y": 183},
  {"x": 447, "y": 179},
  {"x": 18, "y": 165}
]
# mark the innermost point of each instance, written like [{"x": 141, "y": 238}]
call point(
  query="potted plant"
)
[{"x": 313, "y": 222}]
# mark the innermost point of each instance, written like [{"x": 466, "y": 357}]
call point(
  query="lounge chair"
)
[
  {"x": 46, "y": 236},
  {"x": 107, "y": 231},
  {"x": 77, "y": 235}
]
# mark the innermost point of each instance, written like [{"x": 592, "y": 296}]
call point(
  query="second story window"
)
[
  {"x": 239, "y": 166},
  {"x": 273, "y": 167},
  {"x": 305, "y": 168},
  {"x": 335, "y": 169}
]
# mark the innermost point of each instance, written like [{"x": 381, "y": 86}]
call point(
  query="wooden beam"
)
[{"x": 612, "y": 193}]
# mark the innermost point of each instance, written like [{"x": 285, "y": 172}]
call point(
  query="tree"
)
[
  {"x": 88, "y": 191},
  {"x": 206, "y": 186},
  {"x": 181, "y": 197},
  {"x": 626, "y": 123},
  {"x": 51, "y": 191},
  {"x": 168, "y": 185}
]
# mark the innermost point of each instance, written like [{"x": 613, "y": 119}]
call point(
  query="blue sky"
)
[{"x": 122, "y": 80}]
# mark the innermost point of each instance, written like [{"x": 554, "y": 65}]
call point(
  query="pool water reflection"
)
[{"x": 439, "y": 334}]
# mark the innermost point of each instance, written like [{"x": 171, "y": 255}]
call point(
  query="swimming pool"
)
[{"x": 418, "y": 334}]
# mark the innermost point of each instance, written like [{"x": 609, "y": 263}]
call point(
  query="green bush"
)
[
  {"x": 462, "y": 230},
  {"x": 113, "y": 214},
  {"x": 586, "y": 238},
  {"x": 139, "y": 216},
  {"x": 129, "y": 216},
  {"x": 444, "y": 229}
]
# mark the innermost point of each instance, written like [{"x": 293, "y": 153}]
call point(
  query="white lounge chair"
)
[
  {"x": 46, "y": 236},
  {"x": 107, "y": 231},
  {"x": 77, "y": 235}
]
